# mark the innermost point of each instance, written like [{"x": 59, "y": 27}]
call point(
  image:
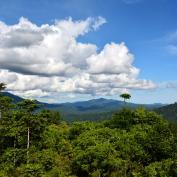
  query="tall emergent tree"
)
[
  {"x": 2, "y": 86},
  {"x": 29, "y": 119},
  {"x": 125, "y": 96}
]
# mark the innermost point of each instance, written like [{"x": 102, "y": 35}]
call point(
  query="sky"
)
[{"x": 73, "y": 50}]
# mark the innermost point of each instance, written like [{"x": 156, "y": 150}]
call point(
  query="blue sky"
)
[{"x": 148, "y": 28}]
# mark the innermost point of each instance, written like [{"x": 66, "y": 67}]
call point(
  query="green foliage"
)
[
  {"x": 53, "y": 117},
  {"x": 165, "y": 168},
  {"x": 30, "y": 170},
  {"x": 126, "y": 118}
]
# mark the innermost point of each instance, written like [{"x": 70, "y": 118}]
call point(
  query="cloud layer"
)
[{"x": 38, "y": 61}]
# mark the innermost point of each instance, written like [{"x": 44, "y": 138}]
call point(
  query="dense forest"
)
[{"x": 38, "y": 143}]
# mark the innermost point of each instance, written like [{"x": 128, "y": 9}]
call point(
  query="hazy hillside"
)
[
  {"x": 94, "y": 109},
  {"x": 169, "y": 111}
]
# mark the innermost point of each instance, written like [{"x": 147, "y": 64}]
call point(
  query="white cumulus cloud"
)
[{"x": 38, "y": 61}]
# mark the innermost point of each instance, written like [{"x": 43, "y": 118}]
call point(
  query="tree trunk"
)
[
  {"x": 14, "y": 152},
  {"x": 28, "y": 145}
]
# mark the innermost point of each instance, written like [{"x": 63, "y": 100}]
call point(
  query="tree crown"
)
[
  {"x": 125, "y": 95},
  {"x": 2, "y": 86}
]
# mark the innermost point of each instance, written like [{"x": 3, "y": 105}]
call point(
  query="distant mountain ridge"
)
[{"x": 94, "y": 109}]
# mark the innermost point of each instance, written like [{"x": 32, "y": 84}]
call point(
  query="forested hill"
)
[
  {"x": 168, "y": 111},
  {"x": 14, "y": 97},
  {"x": 94, "y": 109}
]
